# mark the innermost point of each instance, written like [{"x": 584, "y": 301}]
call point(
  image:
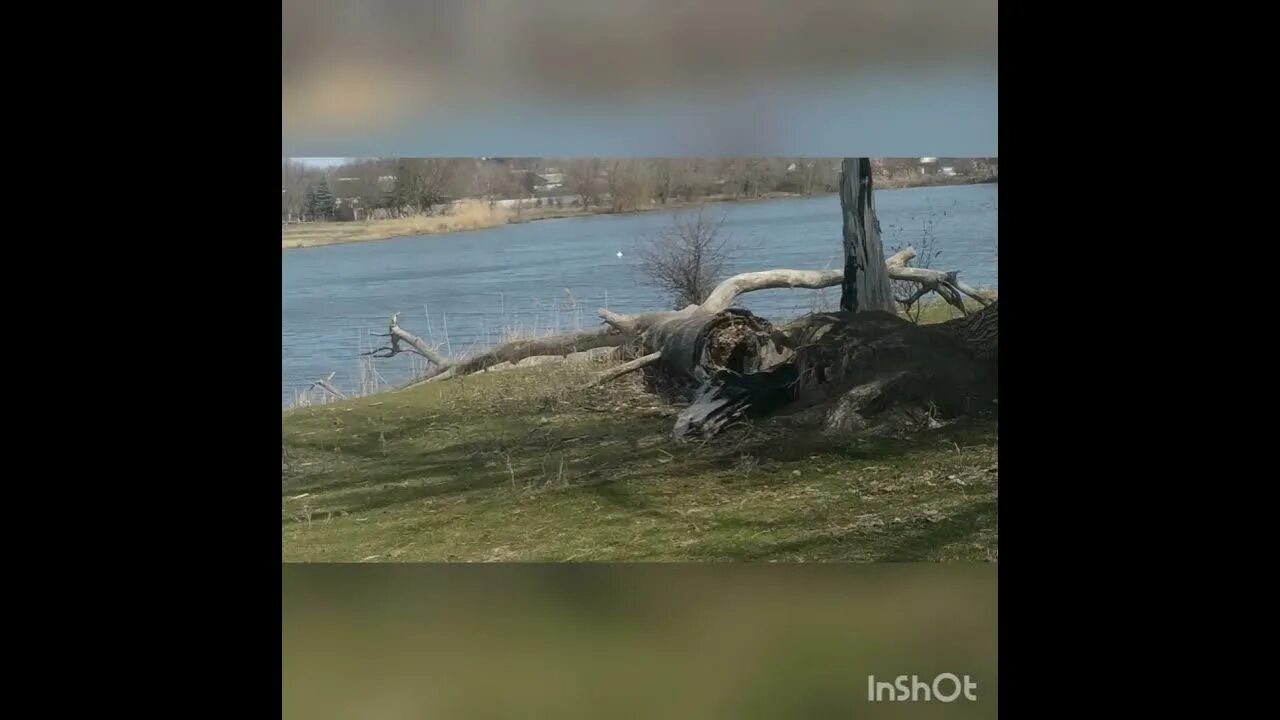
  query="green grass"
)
[{"x": 526, "y": 465}]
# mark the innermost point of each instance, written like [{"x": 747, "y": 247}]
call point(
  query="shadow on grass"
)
[
  {"x": 599, "y": 453},
  {"x": 920, "y": 541},
  {"x": 925, "y": 542}
]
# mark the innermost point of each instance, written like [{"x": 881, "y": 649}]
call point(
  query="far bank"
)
[{"x": 479, "y": 215}]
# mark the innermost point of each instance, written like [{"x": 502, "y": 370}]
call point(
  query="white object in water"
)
[{"x": 619, "y": 253}]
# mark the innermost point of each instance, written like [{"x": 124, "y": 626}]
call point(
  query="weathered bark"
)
[
  {"x": 635, "y": 324},
  {"x": 514, "y": 352},
  {"x": 625, "y": 368},
  {"x": 622, "y": 330},
  {"x": 695, "y": 346},
  {"x": 729, "y": 290},
  {"x": 866, "y": 284},
  {"x": 946, "y": 284},
  {"x": 726, "y": 293},
  {"x": 857, "y": 367}
]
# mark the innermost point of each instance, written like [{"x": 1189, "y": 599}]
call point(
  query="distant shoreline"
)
[{"x": 319, "y": 234}]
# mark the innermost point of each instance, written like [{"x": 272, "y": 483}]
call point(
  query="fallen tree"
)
[
  {"x": 618, "y": 331},
  {"x": 855, "y": 369},
  {"x": 621, "y": 330},
  {"x": 858, "y": 370}
]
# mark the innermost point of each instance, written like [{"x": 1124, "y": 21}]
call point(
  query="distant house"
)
[
  {"x": 548, "y": 181},
  {"x": 346, "y": 198},
  {"x": 349, "y": 195},
  {"x": 539, "y": 183},
  {"x": 947, "y": 171}
]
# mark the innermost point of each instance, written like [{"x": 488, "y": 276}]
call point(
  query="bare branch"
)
[
  {"x": 729, "y": 290},
  {"x": 919, "y": 293},
  {"x": 514, "y": 352},
  {"x": 946, "y": 284},
  {"x": 324, "y": 385},
  {"x": 418, "y": 345},
  {"x": 625, "y": 368},
  {"x": 635, "y": 324},
  {"x": 518, "y": 350}
]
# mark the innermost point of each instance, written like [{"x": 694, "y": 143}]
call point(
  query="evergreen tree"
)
[
  {"x": 322, "y": 200},
  {"x": 309, "y": 202}
]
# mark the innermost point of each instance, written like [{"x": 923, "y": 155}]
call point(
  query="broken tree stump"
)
[{"x": 857, "y": 368}]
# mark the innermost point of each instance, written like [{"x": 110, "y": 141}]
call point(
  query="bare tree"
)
[
  {"x": 581, "y": 177},
  {"x": 664, "y": 178},
  {"x": 687, "y": 259},
  {"x": 295, "y": 177},
  {"x": 491, "y": 181},
  {"x": 729, "y": 173},
  {"x": 421, "y": 183},
  {"x": 374, "y": 186},
  {"x": 762, "y": 175},
  {"x": 693, "y": 178},
  {"x": 814, "y": 175},
  {"x": 628, "y": 183}
]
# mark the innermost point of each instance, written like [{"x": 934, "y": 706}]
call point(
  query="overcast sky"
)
[{"x": 321, "y": 162}]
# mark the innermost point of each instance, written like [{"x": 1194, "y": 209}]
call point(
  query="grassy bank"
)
[
  {"x": 470, "y": 216},
  {"x": 478, "y": 215},
  {"x": 526, "y": 465}
]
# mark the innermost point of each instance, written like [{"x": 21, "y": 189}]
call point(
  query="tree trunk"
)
[
  {"x": 859, "y": 371},
  {"x": 866, "y": 280}
]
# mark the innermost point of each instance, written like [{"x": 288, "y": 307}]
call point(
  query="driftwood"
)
[
  {"x": 945, "y": 284},
  {"x": 618, "y": 330},
  {"x": 625, "y": 368},
  {"x": 398, "y": 335},
  {"x": 514, "y": 352},
  {"x": 621, "y": 330},
  {"x": 855, "y": 369},
  {"x": 324, "y": 385}
]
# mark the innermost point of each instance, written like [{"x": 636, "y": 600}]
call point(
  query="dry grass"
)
[
  {"x": 531, "y": 465},
  {"x": 469, "y": 215}
]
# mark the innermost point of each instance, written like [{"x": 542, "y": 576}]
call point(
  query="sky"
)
[{"x": 320, "y": 162}]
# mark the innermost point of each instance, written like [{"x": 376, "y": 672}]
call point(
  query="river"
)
[{"x": 473, "y": 287}]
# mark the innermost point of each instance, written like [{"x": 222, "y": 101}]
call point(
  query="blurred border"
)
[
  {"x": 425, "y": 78},
  {"x": 651, "y": 641},
  {"x": 658, "y": 78}
]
